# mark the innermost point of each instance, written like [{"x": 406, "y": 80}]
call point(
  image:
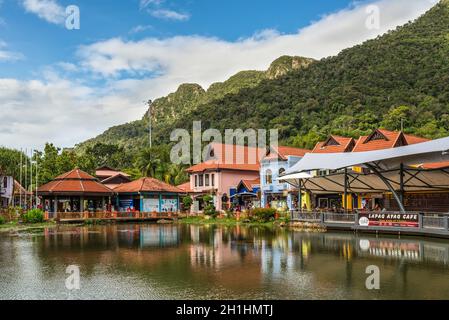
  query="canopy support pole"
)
[
  {"x": 401, "y": 181},
  {"x": 300, "y": 196},
  {"x": 345, "y": 202},
  {"x": 390, "y": 187}
]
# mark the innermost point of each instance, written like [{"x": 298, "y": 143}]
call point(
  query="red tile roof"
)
[
  {"x": 75, "y": 182},
  {"x": 106, "y": 172},
  {"x": 284, "y": 152},
  {"x": 185, "y": 187},
  {"x": 230, "y": 157},
  {"x": 19, "y": 189},
  {"x": 250, "y": 184},
  {"x": 334, "y": 144},
  {"x": 146, "y": 185},
  {"x": 385, "y": 139},
  {"x": 436, "y": 165}
]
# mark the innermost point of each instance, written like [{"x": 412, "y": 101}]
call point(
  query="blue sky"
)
[
  {"x": 65, "y": 86},
  {"x": 45, "y": 43}
]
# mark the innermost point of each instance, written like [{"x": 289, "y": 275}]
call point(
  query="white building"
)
[{"x": 6, "y": 191}]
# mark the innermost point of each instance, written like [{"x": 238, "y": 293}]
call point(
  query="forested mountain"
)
[{"x": 403, "y": 74}]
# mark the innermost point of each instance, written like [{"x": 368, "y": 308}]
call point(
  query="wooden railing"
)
[{"x": 107, "y": 215}]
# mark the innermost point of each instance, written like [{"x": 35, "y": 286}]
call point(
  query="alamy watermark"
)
[
  {"x": 73, "y": 18},
  {"x": 372, "y": 22},
  {"x": 73, "y": 281},
  {"x": 373, "y": 280},
  {"x": 189, "y": 146}
]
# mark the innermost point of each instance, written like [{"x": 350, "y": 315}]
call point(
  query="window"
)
[
  {"x": 206, "y": 178},
  {"x": 281, "y": 171},
  {"x": 200, "y": 178},
  {"x": 196, "y": 180},
  {"x": 268, "y": 176},
  {"x": 212, "y": 178},
  {"x": 5, "y": 182}
]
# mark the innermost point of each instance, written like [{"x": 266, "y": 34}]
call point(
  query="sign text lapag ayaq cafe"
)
[{"x": 385, "y": 219}]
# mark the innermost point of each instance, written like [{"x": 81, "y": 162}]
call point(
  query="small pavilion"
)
[
  {"x": 148, "y": 195},
  {"x": 75, "y": 191}
]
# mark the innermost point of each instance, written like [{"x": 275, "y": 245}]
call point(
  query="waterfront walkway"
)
[
  {"x": 411, "y": 223},
  {"x": 75, "y": 217}
]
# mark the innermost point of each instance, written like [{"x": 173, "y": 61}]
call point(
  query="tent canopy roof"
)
[{"x": 425, "y": 152}]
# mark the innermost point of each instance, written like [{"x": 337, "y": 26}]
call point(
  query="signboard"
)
[
  {"x": 385, "y": 219},
  {"x": 150, "y": 205},
  {"x": 169, "y": 205}
]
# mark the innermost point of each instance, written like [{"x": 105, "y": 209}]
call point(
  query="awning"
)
[
  {"x": 414, "y": 180},
  {"x": 244, "y": 194},
  {"x": 425, "y": 152}
]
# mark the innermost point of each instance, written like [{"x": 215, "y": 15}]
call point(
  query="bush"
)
[
  {"x": 209, "y": 208},
  {"x": 264, "y": 214},
  {"x": 33, "y": 216},
  {"x": 2, "y": 220},
  {"x": 187, "y": 202}
]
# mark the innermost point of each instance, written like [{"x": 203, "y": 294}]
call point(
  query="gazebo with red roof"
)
[
  {"x": 75, "y": 191},
  {"x": 148, "y": 195}
]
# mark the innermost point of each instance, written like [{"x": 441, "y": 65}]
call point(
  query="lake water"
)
[{"x": 148, "y": 261}]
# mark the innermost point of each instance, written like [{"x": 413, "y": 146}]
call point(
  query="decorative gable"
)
[
  {"x": 331, "y": 141},
  {"x": 376, "y": 135}
]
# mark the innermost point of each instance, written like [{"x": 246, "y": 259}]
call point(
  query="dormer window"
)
[{"x": 330, "y": 142}]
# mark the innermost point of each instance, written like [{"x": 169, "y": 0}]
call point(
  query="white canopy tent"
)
[
  {"x": 425, "y": 152},
  {"x": 388, "y": 170}
]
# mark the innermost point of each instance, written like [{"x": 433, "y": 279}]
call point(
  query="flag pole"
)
[{"x": 20, "y": 179}]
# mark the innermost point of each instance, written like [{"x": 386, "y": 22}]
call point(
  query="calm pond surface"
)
[{"x": 148, "y": 261}]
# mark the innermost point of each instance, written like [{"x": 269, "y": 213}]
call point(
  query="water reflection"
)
[{"x": 148, "y": 261}]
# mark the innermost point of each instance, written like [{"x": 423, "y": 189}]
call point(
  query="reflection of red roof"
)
[
  {"x": 284, "y": 152},
  {"x": 334, "y": 144},
  {"x": 185, "y": 187},
  {"x": 146, "y": 185},
  {"x": 385, "y": 139},
  {"x": 230, "y": 157},
  {"x": 75, "y": 182}
]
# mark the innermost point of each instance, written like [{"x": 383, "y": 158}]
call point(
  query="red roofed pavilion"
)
[
  {"x": 148, "y": 195},
  {"x": 75, "y": 191}
]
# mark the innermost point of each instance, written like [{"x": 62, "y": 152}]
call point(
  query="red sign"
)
[{"x": 386, "y": 219}]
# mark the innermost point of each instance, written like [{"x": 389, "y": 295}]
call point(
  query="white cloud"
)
[
  {"x": 169, "y": 15},
  {"x": 146, "y": 3},
  {"x": 140, "y": 28},
  {"x": 48, "y": 10},
  {"x": 6, "y": 55},
  {"x": 67, "y": 112}
]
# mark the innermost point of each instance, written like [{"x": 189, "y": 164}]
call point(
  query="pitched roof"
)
[
  {"x": 334, "y": 144},
  {"x": 436, "y": 165},
  {"x": 146, "y": 185},
  {"x": 185, "y": 187},
  {"x": 284, "y": 152},
  {"x": 105, "y": 172},
  {"x": 385, "y": 139},
  {"x": 250, "y": 184},
  {"x": 75, "y": 182},
  {"x": 230, "y": 157},
  {"x": 19, "y": 189}
]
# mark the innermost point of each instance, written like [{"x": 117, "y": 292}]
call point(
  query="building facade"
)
[
  {"x": 276, "y": 194},
  {"x": 6, "y": 191},
  {"x": 222, "y": 169}
]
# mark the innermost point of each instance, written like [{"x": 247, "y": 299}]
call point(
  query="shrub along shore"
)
[{"x": 15, "y": 219}]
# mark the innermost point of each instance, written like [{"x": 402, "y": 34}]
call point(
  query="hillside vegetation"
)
[{"x": 403, "y": 74}]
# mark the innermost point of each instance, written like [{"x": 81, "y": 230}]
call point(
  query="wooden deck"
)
[{"x": 76, "y": 217}]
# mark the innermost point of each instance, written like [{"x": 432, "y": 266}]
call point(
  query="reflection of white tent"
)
[{"x": 388, "y": 170}]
